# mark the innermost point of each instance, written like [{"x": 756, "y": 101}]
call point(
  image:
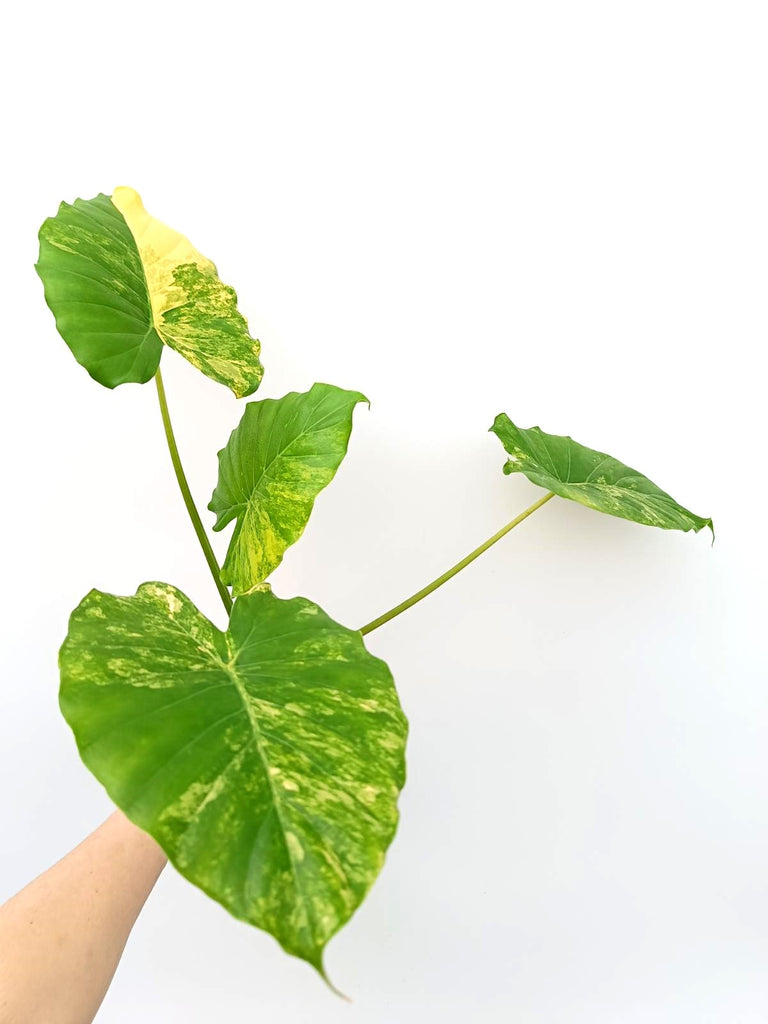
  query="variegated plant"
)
[{"x": 267, "y": 759}]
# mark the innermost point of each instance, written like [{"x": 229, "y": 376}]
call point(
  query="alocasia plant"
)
[{"x": 266, "y": 760}]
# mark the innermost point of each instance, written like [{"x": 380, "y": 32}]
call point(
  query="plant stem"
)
[
  {"x": 186, "y": 494},
  {"x": 409, "y": 602}
]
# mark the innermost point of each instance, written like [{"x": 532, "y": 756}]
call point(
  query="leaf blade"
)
[
  {"x": 591, "y": 478},
  {"x": 94, "y": 286},
  {"x": 281, "y": 455},
  {"x": 265, "y": 761}
]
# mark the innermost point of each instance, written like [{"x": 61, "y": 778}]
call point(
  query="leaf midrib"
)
[
  {"x": 622, "y": 491},
  {"x": 310, "y": 428},
  {"x": 230, "y": 668}
]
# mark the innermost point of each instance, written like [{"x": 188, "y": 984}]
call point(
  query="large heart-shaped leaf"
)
[
  {"x": 590, "y": 477},
  {"x": 266, "y": 761},
  {"x": 276, "y": 462},
  {"x": 120, "y": 284}
]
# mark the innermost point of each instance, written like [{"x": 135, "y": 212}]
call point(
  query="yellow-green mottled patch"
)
[
  {"x": 207, "y": 329},
  {"x": 94, "y": 285},
  {"x": 279, "y": 458},
  {"x": 591, "y": 478},
  {"x": 267, "y": 768}
]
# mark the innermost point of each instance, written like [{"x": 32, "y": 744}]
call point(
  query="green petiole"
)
[
  {"x": 425, "y": 591},
  {"x": 186, "y": 494}
]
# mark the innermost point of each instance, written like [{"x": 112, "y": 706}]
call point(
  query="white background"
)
[{"x": 554, "y": 209}]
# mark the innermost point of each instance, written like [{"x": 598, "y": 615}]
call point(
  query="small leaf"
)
[
  {"x": 276, "y": 462},
  {"x": 266, "y": 761},
  {"x": 590, "y": 477},
  {"x": 120, "y": 284}
]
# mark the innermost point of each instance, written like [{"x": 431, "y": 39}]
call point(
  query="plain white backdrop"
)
[{"x": 557, "y": 210}]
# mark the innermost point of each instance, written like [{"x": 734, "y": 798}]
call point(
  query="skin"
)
[{"x": 61, "y": 937}]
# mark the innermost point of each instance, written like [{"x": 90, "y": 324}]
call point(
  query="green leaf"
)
[
  {"x": 120, "y": 283},
  {"x": 266, "y": 761},
  {"x": 590, "y": 477},
  {"x": 94, "y": 284},
  {"x": 276, "y": 462}
]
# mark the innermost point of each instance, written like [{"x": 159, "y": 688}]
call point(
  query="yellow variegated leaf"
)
[
  {"x": 591, "y": 478},
  {"x": 120, "y": 283}
]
